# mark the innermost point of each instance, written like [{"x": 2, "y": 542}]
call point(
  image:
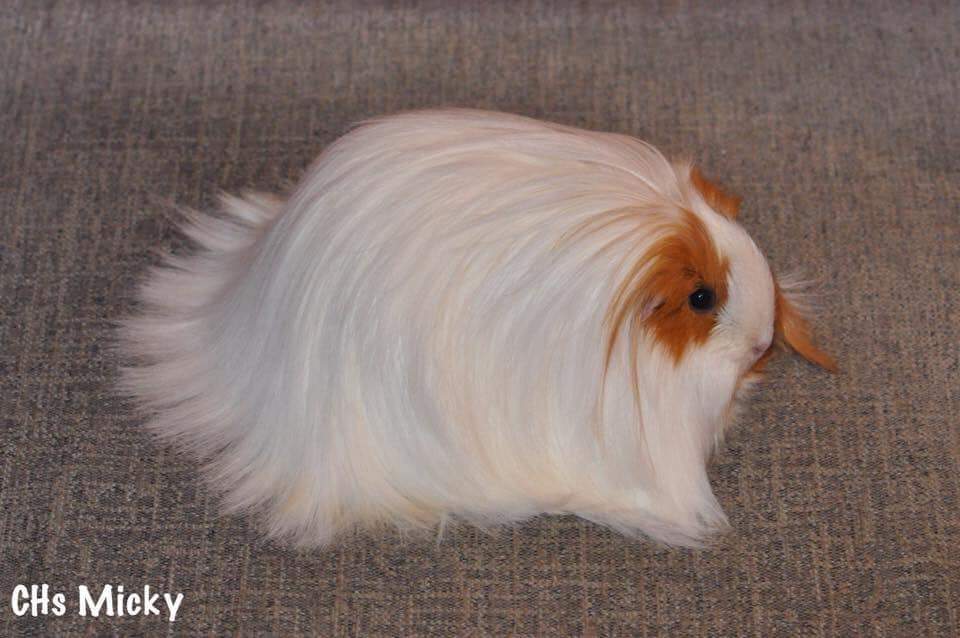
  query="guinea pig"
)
[{"x": 461, "y": 315}]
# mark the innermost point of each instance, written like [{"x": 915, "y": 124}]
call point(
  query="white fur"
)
[{"x": 417, "y": 335}]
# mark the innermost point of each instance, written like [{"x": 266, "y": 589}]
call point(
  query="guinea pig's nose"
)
[{"x": 760, "y": 348}]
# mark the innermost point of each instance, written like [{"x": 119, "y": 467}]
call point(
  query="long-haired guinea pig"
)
[{"x": 463, "y": 316}]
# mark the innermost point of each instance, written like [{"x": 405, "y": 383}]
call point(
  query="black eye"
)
[{"x": 702, "y": 299}]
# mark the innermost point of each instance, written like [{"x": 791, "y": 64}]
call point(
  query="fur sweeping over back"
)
[{"x": 463, "y": 315}]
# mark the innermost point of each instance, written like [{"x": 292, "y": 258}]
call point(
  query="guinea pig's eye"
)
[{"x": 702, "y": 299}]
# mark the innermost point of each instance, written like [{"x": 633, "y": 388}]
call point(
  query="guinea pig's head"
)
[{"x": 703, "y": 301}]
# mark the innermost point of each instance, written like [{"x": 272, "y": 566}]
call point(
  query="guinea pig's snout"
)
[{"x": 761, "y": 347}]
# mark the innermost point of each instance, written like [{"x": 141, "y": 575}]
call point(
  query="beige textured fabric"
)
[{"x": 838, "y": 125}]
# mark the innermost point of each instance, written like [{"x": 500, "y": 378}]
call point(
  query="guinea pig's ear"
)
[
  {"x": 793, "y": 331},
  {"x": 719, "y": 199}
]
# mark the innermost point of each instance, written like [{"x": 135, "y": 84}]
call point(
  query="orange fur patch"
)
[
  {"x": 794, "y": 332},
  {"x": 725, "y": 203},
  {"x": 654, "y": 294}
]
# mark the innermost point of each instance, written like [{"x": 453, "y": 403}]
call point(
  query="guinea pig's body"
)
[{"x": 463, "y": 315}]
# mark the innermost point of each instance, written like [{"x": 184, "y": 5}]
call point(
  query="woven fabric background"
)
[{"x": 837, "y": 122}]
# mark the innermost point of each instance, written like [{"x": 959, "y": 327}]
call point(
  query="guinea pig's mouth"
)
[
  {"x": 762, "y": 355},
  {"x": 751, "y": 376}
]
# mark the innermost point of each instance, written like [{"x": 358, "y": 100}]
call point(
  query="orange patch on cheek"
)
[
  {"x": 725, "y": 203},
  {"x": 654, "y": 296}
]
